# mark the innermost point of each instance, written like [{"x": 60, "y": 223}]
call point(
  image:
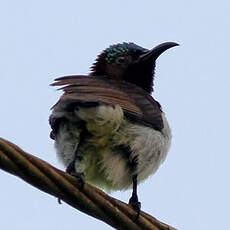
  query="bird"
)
[{"x": 107, "y": 128}]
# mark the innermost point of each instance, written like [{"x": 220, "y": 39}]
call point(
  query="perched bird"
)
[{"x": 108, "y": 129}]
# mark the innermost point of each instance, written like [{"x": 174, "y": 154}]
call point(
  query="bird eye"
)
[{"x": 120, "y": 60}]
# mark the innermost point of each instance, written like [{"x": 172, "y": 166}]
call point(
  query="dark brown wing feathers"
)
[{"x": 137, "y": 104}]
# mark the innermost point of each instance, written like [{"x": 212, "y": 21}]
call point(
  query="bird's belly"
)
[{"x": 107, "y": 163}]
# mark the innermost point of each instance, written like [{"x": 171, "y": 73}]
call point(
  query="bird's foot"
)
[
  {"x": 79, "y": 175},
  {"x": 136, "y": 205}
]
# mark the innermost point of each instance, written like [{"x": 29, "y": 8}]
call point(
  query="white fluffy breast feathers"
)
[
  {"x": 101, "y": 120},
  {"x": 109, "y": 131}
]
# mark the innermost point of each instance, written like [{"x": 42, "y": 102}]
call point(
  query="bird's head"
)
[{"x": 130, "y": 62}]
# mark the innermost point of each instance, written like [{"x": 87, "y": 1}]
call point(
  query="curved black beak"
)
[{"x": 153, "y": 54}]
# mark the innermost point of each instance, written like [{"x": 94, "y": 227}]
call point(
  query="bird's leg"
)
[
  {"x": 75, "y": 168},
  {"x": 71, "y": 168},
  {"x": 133, "y": 201}
]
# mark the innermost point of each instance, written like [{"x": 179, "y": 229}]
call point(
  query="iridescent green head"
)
[
  {"x": 113, "y": 61},
  {"x": 115, "y": 51},
  {"x": 130, "y": 62}
]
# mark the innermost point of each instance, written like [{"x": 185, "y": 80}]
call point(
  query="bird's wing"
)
[{"x": 136, "y": 103}]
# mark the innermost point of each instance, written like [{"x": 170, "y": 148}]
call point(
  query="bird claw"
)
[
  {"x": 136, "y": 205},
  {"x": 79, "y": 175}
]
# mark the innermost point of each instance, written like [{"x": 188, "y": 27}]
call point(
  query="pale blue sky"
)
[{"x": 42, "y": 40}]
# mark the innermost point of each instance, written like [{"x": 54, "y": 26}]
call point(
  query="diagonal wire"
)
[{"x": 89, "y": 200}]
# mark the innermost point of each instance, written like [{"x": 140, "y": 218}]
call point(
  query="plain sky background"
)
[{"x": 42, "y": 40}]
